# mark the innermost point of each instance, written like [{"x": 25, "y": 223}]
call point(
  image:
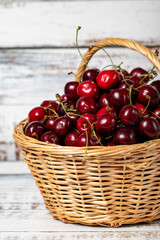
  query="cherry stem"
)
[
  {"x": 112, "y": 66},
  {"x": 60, "y": 101},
  {"x": 130, "y": 94},
  {"x": 72, "y": 73},
  {"x": 78, "y": 46},
  {"x": 53, "y": 110},
  {"x": 149, "y": 99},
  {"x": 84, "y": 156},
  {"x": 146, "y": 75},
  {"x": 108, "y": 137},
  {"x": 97, "y": 138}
]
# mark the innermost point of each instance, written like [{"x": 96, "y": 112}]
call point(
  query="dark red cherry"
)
[
  {"x": 119, "y": 98},
  {"x": 103, "y": 100},
  {"x": 89, "y": 89},
  {"x": 35, "y": 129},
  {"x": 122, "y": 74},
  {"x": 83, "y": 140},
  {"x": 149, "y": 127},
  {"x": 109, "y": 144},
  {"x": 156, "y": 114},
  {"x": 85, "y": 121},
  {"x": 107, "y": 79},
  {"x": 137, "y": 81},
  {"x": 50, "y": 137},
  {"x": 124, "y": 136},
  {"x": 129, "y": 115},
  {"x": 90, "y": 74},
  {"x": 49, "y": 123},
  {"x": 141, "y": 108},
  {"x": 126, "y": 84},
  {"x": 62, "y": 125},
  {"x": 156, "y": 85},
  {"x": 73, "y": 117},
  {"x": 49, "y": 105},
  {"x": 66, "y": 104},
  {"x": 72, "y": 139},
  {"x": 106, "y": 124},
  {"x": 70, "y": 90},
  {"x": 148, "y": 92},
  {"x": 36, "y": 114},
  {"x": 86, "y": 105},
  {"x": 141, "y": 73},
  {"x": 108, "y": 109},
  {"x": 95, "y": 138}
]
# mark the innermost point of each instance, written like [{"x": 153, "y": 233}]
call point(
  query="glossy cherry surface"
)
[
  {"x": 141, "y": 108},
  {"x": 119, "y": 98},
  {"x": 84, "y": 140},
  {"x": 62, "y": 125},
  {"x": 90, "y": 74},
  {"x": 156, "y": 85},
  {"x": 89, "y": 89},
  {"x": 86, "y": 105},
  {"x": 108, "y": 109},
  {"x": 35, "y": 129},
  {"x": 126, "y": 84},
  {"x": 107, "y": 79},
  {"x": 72, "y": 139},
  {"x": 103, "y": 100},
  {"x": 141, "y": 73},
  {"x": 124, "y": 136},
  {"x": 149, "y": 127},
  {"x": 95, "y": 139},
  {"x": 156, "y": 114},
  {"x": 129, "y": 115},
  {"x": 49, "y": 123},
  {"x": 106, "y": 124},
  {"x": 70, "y": 90},
  {"x": 50, "y": 137},
  {"x": 49, "y": 105},
  {"x": 85, "y": 121},
  {"x": 36, "y": 114}
]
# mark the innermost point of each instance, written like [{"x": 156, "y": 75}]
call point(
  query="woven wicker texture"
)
[{"x": 116, "y": 185}]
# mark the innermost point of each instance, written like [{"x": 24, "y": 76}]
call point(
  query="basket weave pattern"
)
[{"x": 116, "y": 185}]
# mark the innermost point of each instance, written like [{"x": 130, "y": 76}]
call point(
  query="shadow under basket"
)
[{"x": 115, "y": 186}]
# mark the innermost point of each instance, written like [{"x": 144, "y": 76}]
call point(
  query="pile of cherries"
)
[{"x": 107, "y": 108}]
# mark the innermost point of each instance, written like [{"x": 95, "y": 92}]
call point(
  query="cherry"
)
[
  {"x": 89, "y": 89},
  {"x": 107, "y": 79},
  {"x": 124, "y": 136},
  {"x": 149, "y": 127},
  {"x": 156, "y": 85},
  {"x": 108, "y": 109},
  {"x": 103, "y": 100},
  {"x": 86, "y": 105},
  {"x": 156, "y": 114},
  {"x": 122, "y": 74},
  {"x": 136, "y": 81},
  {"x": 82, "y": 140},
  {"x": 129, "y": 115},
  {"x": 106, "y": 124},
  {"x": 141, "y": 108},
  {"x": 119, "y": 98},
  {"x": 71, "y": 104},
  {"x": 50, "y": 105},
  {"x": 50, "y": 137},
  {"x": 35, "y": 129},
  {"x": 70, "y": 90},
  {"x": 64, "y": 98},
  {"x": 36, "y": 114},
  {"x": 49, "y": 123},
  {"x": 73, "y": 117},
  {"x": 126, "y": 84},
  {"x": 90, "y": 74},
  {"x": 109, "y": 144},
  {"x": 95, "y": 139},
  {"x": 141, "y": 73},
  {"x": 148, "y": 95},
  {"x": 72, "y": 139},
  {"x": 62, "y": 125},
  {"x": 85, "y": 121}
]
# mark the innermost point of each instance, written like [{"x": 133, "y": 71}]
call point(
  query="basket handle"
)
[{"x": 120, "y": 42}]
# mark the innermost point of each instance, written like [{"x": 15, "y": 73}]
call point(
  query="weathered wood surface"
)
[
  {"x": 53, "y": 23},
  {"x": 23, "y": 214},
  {"x": 27, "y": 77}
]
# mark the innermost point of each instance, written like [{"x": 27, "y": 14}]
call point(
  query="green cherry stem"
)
[
  {"x": 149, "y": 99},
  {"x": 130, "y": 94}
]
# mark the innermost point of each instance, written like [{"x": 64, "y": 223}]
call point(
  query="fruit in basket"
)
[
  {"x": 125, "y": 136},
  {"x": 107, "y": 79},
  {"x": 89, "y": 89},
  {"x": 129, "y": 115},
  {"x": 90, "y": 74},
  {"x": 149, "y": 128},
  {"x": 35, "y": 129},
  {"x": 36, "y": 114},
  {"x": 50, "y": 137}
]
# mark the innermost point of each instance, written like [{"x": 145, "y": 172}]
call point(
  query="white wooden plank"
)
[
  {"x": 53, "y": 23},
  {"x": 14, "y": 168}
]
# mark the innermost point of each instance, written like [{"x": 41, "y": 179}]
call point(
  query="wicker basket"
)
[{"x": 116, "y": 185}]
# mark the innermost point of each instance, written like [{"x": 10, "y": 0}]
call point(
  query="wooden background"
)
[{"x": 37, "y": 50}]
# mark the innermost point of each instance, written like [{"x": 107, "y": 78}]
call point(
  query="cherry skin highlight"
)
[
  {"x": 35, "y": 129},
  {"x": 107, "y": 79},
  {"x": 88, "y": 89},
  {"x": 106, "y": 124},
  {"x": 149, "y": 128},
  {"x": 72, "y": 139},
  {"x": 90, "y": 74},
  {"x": 36, "y": 114},
  {"x": 124, "y": 136},
  {"x": 129, "y": 115},
  {"x": 85, "y": 121},
  {"x": 50, "y": 137},
  {"x": 62, "y": 125},
  {"x": 86, "y": 105}
]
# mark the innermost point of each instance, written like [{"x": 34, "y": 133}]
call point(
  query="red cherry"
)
[
  {"x": 64, "y": 98},
  {"x": 103, "y": 100},
  {"x": 49, "y": 123},
  {"x": 89, "y": 89},
  {"x": 51, "y": 105},
  {"x": 68, "y": 104},
  {"x": 50, "y": 137},
  {"x": 62, "y": 125},
  {"x": 141, "y": 73},
  {"x": 73, "y": 117},
  {"x": 126, "y": 84},
  {"x": 156, "y": 114},
  {"x": 95, "y": 138},
  {"x": 119, "y": 98},
  {"x": 124, "y": 136},
  {"x": 148, "y": 92},
  {"x": 107, "y": 79},
  {"x": 86, "y": 105},
  {"x": 85, "y": 121},
  {"x": 149, "y": 127},
  {"x": 72, "y": 139},
  {"x": 82, "y": 140},
  {"x": 129, "y": 115},
  {"x": 156, "y": 85},
  {"x": 141, "y": 108},
  {"x": 36, "y": 114},
  {"x": 90, "y": 74},
  {"x": 70, "y": 90},
  {"x": 106, "y": 124},
  {"x": 35, "y": 129},
  {"x": 108, "y": 109},
  {"x": 109, "y": 144}
]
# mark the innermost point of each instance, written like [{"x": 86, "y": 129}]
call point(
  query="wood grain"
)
[{"x": 53, "y": 23}]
